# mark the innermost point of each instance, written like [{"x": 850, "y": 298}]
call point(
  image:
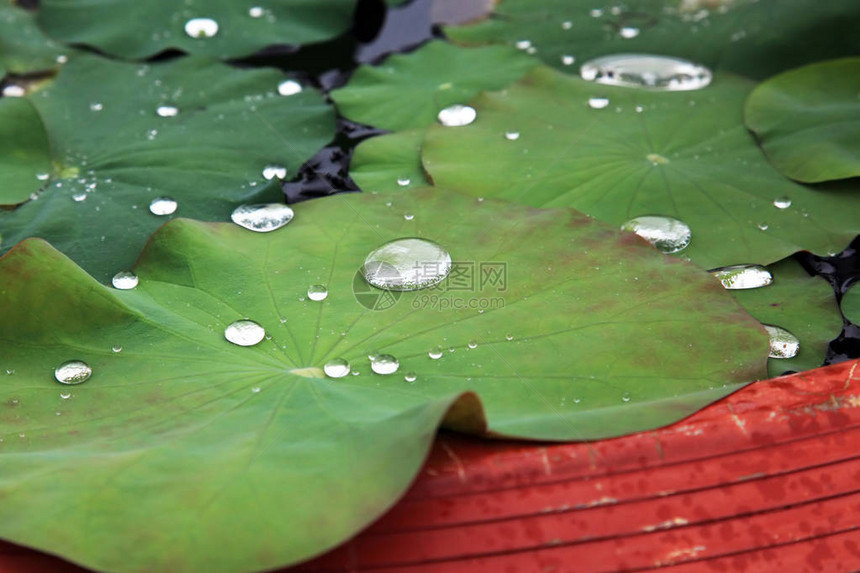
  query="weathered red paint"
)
[{"x": 767, "y": 479}]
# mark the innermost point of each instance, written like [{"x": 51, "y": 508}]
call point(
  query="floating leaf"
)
[
  {"x": 227, "y": 453},
  {"x": 684, "y": 155},
  {"x": 389, "y": 162},
  {"x": 24, "y": 150},
  {"x": 851, "y": 304},
  {"x": 114, "y": 152},
  {"x": 744, "y": 36},
  {"x": 224, "y": 28},
  {"x": 23, "y": 47},
  {"x": 802, "y": 304},
  {"x": 808, "y": 120}
]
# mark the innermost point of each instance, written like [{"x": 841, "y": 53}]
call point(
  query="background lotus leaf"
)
[
  {"x": 802, "y": 304},
  {"x": 749, "y": 37},
  {"x": 184, "y": 452},
  {"x": 851, "y": 304},
  {"x": 133, "y": 29},
  {"x": 24, "y": 150},
  {"x": 685, "y": 155},
  {"x": 111, "y": 148},
  {"x": 23, "y": 46},
  {"x": 387, "y": 162},
  {"x": 808, "y": 120}
]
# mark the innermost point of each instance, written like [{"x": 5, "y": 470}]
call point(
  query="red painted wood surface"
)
[{"x": 767, "y": 479}]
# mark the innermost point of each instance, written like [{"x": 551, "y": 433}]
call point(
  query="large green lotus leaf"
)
[
  {"x": 389, "y": 162},
  {"x": 749, "y": 37},
  {"x": 23, "y": 46},
  {"x": 184, "y": 452},
  {"x": 851, "y": 304},
  {"x": 685, "y": 155},
  {"x": 407, "y": 91},
  {"x": 808, "y": 120},
  {"x": 24, "y": 150},
  {"x": 134, "y": 29},
  {"x": 110, "y": 146},
  {"x": 802, "y": 304}
]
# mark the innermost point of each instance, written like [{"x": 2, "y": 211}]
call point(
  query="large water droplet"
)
[
  {"x": 337, "y": 368},
  {"x": 262, "y": 218},
  {"x": 167, "y": 111},
  {"x": 201, "y": 27},
  {"x": 457, "y": 115},
  {"x": 244, "y": 333},
  {"x": 289, "y": 87},
  {"x": 783, "y": 344},
  {"x": 163, "y": 206},
  {"x": 73, "y": 372},
  {"x": 407, "y": 264},
  {"x": 598, "y": 102},
  {"x": 436, "y": 353},
  {"x": 738, "y": 277},
  {"x": 643, "y": 70},
  {"x": 667, "y": 234},
  {"x": 317, "y": 292},
  {"x": 272, "y": 171},
  {"x": 124, "y": 280},
  {"x": 384, "y": 364},
  {"x": 13, "y": 90},
  {"x": 782, "y": 202}
]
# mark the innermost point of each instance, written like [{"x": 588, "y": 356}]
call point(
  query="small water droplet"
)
[
  {"x": 244, "y": 333},
  {"x": 436, "y": 353},
  {"x": 782, "y": 202},
  {"x": 124, "y": 280},
  {"x": 737, "y": 277},
  {"x": 626, "y": 397},
  {"x": 566, "y": 25},
  {"x": 406, "y": 264},
  {"x": 116, "y": 348},
  {"x": 289, "y": 87},
  {"x": 384, "y": 364},
  {"x": 78, "y": 197},
  {"x": 96, "y": 106},
  {"x": 272, "y": 171},
  {"x": 43, "y": 176},
  {"x": 667, "y": 234},
  {"x": 783, "y": 344},
  {"x": 255, "y": 389},
  {"x": 256, "y": 12},
  {"x": 404, "y": 181},
  {"x": 509, "y": 337},
  {"x": 14, "y": 91},
  {"x": 763, "y": 226},
  {"x": 457, "y": 115},
  {"x": 151, "y": 134},
  {"x": 512, "y": 135},
  {"x": 596, "y": 13},
  {"x": 262, "y": 218},
  {"x": 598, "y": 102},
  {"x": 201, "y": 27},
  {"x": 472, "y": 344},
  {"x": 66, "y": 396},
  {"x": 567, "y": 60},
  {"x": 523, "y": 45},
  {"x": 73, "y": 372},
  {"x": 336, "y": 368},
  {"x": 317, "y": 292},
  {"x": 646, "y": 71},
  {"x": 162, "y": 206},
  {"x": 408, "y": 216},
  {"x": 167, "y": 111},
  {"x": 628, "y": 32},
  {"x": 656, "y": 159},
  {"x": 410, "y": 377}
]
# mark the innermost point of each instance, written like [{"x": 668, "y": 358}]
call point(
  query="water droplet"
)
[
  {"x": 472, "y": 344},
  {"x": 737, "y": 277},
  {"x": 256, "y": 12},
  {"x": 163, "y": 206},
  {"x": 512, "y": 135},
  {"x": 73, "y": 372},
  {"x": 628, "y": 32},
  {"x": 289, "y": 87},
  {"x": 783, "y": 344},
  {"x": 384, "y": 364},
  {"x": 763, "y": 226},
  {"x": 410, "y": 377},
  {"x": 255, "y": 389},
  {"x": 567, "y": 60},
  {"x": 596, "y": 13},
  {"x": 262, "y": 218},
  {"x": 43, "y": 176},
  {"x": 656, "y": 159},
  {"x": 167, "y": 111},
  {"x": 337, "y": 368},
  {"x": 667, "y": 234},
  {"x": 406, "y": 264},
  {"x": 626, "y": 397},
  {"x": 509, "y": 337},
  {"x": 78, "y": 197},
  {"x": 598, "y": 102},
  {"x": 96, "y": 106},
  {"x": 643, "y": 70},
  {"x": 523, "y": 45},
  {"x": 408, "y": 216},
  {"x": 201, "y": 27},
  {"x": 272, "y": 171},
  {"x": 124, "y": 280},
  {"x": 317, "y": 292},
  {"x": 436, "y": 353},
  {"x": 151, "y": 134},
  {"x": 244, "y": 333},
  {"x": 66, "y": 395},
  {"x": 782, "y": 202},
  {"x": 14, "y": 91},
  {"x": 404, "y": 181},
  {"x": 116, "y": 348},
  {"x": 457, "y": 115}
]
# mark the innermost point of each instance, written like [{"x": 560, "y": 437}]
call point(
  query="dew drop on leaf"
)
[
  {"x": 244, "y": 333},
  {"x": 436, "y": 353},
  {"x": 567, "y": 60},
  {"x": 665, "y": 233},
  {"x": 162, "y": 206},
  {"x": 472, "y": 344},
  {"x": 116, "y": 349},
  {"x": 407, "y": 264},
  {"x": 628, "y": 32},
  {"x": 384, "y": 364},
  {"x": 167, "y": 111},
  {"x": 73, "y": 372},
  {"x": 408, "y": 216},
  {"x": 738, "y": 277},
  {"x": 13, "y": 90},
  {"x": 289, "y": 87},
  {"x": 646, "y": 71},
  {"x": 404, "y": 181},
  {"x": 274, "y": 171},
  {"x": 783, "y": 344},
  {"x": 201, "y": 27},
  {"x": 317, "y": 292},
  {"x": 96, "y": 106},
  {"x": 262, "y": 218},
  {"x": 124, "y": 280},
  {"x": 336, "y": 368},
  {"x": 410, "y": 377},
  {"x": 598, "y": 102},
  {"x": 256, "y": 12},
  {"x": 457, "y": 115},
  {"x": 782, "y": 202},
  {"x": 78, "y": 197},
  {"x": 512, "y": 135}
]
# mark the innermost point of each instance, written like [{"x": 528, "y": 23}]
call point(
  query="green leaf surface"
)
[
  {"x": 407, "y": 91},
  {"x": 109, "y": 145},
  {"x": 135, "y": 29},
  {"x": 750, "y": 37},
  {"x": 685, "y": 155},
  {"x": 808, "y": 120},
  {"x": 851, "y": 304},
  {"x": 389, "y": 162},
  {"x": 23, "y": 47},
  {"x": 802, "y": 304},
  {"x": 24, "y": 150},
  {"x": 184, "y": 452}
]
